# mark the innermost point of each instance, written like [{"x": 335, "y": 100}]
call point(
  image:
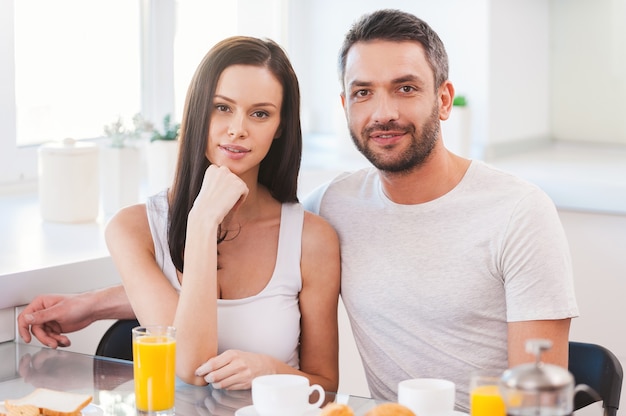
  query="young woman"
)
[{"x": 227, "y": 255}]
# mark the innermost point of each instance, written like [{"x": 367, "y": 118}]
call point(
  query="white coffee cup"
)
[
  {"x": 427, "y": 396},
  {"x": 284, "y": 395}
]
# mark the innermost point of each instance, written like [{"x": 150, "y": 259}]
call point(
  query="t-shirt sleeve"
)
[
  {"x": 536, "y": 262},
  {"x": 313, "y": 200}
]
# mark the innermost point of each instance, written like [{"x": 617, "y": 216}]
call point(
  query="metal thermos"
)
[{"x": 539, "y": 389}]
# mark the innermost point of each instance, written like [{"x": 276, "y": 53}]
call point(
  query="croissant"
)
[
  {"x": 336, "y": 409},
  {"x": 390, "y": 409}
]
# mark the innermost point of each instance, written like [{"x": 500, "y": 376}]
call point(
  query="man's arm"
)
[
  {"x": 49, "y": 317},
  {"x": 556, "y": 331}
]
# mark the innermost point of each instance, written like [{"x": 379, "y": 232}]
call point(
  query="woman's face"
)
[{"x": 245, "y": 118}]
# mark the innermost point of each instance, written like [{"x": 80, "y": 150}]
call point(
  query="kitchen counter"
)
[
  {"x": 577, "y": 176},
  {"x": 43, "y": 257}
]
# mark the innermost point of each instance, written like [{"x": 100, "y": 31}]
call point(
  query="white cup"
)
[
  {"x": 284, "y": 395},
  {"x": 427, "y": 396}
]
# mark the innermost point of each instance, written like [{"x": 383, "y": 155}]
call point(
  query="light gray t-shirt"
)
[{"x": 429, "y": 288}]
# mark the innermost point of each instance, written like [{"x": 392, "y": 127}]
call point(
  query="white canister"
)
[{"x": 68, "y": 181}]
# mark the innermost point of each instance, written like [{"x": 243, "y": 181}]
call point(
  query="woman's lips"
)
[{"x": 234, "y": 151}]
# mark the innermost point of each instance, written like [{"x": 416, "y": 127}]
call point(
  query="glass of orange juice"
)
[
  {"x": 154, "y": 366},
  {"x": 485, "y": 398}
]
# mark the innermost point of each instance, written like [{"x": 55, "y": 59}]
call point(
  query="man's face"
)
[{"x": 391, "y": 104}]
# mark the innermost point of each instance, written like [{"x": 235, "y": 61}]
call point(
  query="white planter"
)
[
  {"x": 161, "y": 158},
  {"x": 456, "y": 130},
  {"x": 120, "y": 177},
  {"x": 68, "y": 181}
]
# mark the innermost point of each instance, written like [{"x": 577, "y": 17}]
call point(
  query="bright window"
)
[
  {"x": 77, "y": 67},
  {"x": 199, "y": 25},
  {"x": 69, "y": 67}
]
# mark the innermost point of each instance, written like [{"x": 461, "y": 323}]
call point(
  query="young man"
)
[{"x": 448, "y": 265}]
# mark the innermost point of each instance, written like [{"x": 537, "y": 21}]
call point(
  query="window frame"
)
[{"x": 18, "y": 165}]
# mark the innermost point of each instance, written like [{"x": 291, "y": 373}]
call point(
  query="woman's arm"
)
[
  {"x": 131, "y": 246},
  {"x": 193, "y": 312},
  {"x": 320, "y": 268},
  {"x": 321, "y": 271},
  {"x": 196, "y": 314}
]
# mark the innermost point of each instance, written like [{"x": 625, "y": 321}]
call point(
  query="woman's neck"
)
[{"x": 257, "y": 205}]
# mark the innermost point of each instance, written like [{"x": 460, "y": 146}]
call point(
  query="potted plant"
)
[
  {"x": 162, "y": 155},
  {"x": 120, "y": 164},
  {"x": 170, "y": 130},
  {"x": 457, "y": 128}
]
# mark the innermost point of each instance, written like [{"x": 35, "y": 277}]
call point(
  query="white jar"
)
[{"x": 68, "y": 181}]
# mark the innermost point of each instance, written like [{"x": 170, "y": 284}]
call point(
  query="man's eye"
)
[
  {"x": 407, "y": 88},
  {"x": 361, "y": 93}
]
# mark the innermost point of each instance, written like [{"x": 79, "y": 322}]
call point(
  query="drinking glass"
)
[
  {"x": 154, "y": 366},
  {"x": 485, "y": 398}
]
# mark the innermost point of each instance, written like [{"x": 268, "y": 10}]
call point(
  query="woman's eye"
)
[
  {"x": 221, "y": 107},
  {"x": 260, "y": 114}
]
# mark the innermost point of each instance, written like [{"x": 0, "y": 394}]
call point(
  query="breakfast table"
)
[{"x": 23, "y": 368}]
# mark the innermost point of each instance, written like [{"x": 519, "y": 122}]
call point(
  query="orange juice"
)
[
  {"x": 486, "y": 401},
  {"x": 154, "y": 358}
]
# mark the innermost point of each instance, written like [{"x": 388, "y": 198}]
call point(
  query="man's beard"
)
[{"x": 414, "y": 156}]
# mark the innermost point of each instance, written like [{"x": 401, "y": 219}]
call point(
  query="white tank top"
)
[{"x": 266, "y": 323}]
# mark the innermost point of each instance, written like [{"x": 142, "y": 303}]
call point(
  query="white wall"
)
[
  {"x": 532, "y": 70},
  {"x": 316, "y": 30},
  {"x": 500, "y": 65},
  {"x": 589, "y": 70},
  {"x": 597, "y": 244},
  {"x": 518, "y": 79}
]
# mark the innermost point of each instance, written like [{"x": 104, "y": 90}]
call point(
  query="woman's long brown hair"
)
[{"x": 278, "y": 170}]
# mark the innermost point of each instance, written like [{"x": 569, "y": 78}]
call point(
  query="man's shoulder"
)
[
  {"x": 487, "y": 174},
  {"x": 492, "y": 185},
  {"x": 340, "y": 186}
]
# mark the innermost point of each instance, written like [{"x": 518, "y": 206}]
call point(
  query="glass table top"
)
[{"x": 23, "y": 368}]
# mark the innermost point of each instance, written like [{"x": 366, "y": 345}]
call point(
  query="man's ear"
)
[{"x": 446, "y": 99}]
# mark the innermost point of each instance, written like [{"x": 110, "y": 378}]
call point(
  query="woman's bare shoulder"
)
[
  {"x": 319, "y": 238},
  {"x": 321, "y": 260},
  {"x": 316, "y": 227},
  {"x": 128, "y": 223}
]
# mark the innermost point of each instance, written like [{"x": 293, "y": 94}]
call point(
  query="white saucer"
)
[
  {"x": 250, "y": 411},
  {"x": 457, "y": 413},
  {"x": 92, "y": 410}
]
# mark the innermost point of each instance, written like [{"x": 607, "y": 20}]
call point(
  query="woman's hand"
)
[
  {"x": 221, "y": 192},
  {"x": 234, "y": 370}
]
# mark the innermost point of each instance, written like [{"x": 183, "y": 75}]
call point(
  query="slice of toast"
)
[
  {"x": 25, "y": 410},
  {"x": 48, "y": 403}
]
